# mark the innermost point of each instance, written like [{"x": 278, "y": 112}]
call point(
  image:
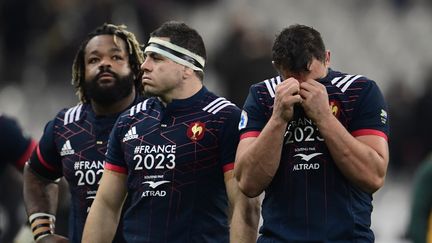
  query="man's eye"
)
[
  {"x": 93, "y": 60},
  {"x": 154, "y": 56},
  {"x": 117, "y": 57}
]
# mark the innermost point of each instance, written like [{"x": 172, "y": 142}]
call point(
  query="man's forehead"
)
[
  {"x": 151, "y": 52},
  {"x": 111, "y": 42}
]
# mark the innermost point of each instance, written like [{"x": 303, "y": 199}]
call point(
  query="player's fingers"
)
[
  {"x": 308, "y": 86},
  {"x": 298, "y": 99},
  {"x": 292, "y": 88},
  {"x": 305, "y": 93},
  {"x": 287, "y": 90}
]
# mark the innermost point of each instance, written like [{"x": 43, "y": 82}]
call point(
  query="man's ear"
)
[
  {"x": 188, "y": 72},
  {"x": 327, "y": 58}
]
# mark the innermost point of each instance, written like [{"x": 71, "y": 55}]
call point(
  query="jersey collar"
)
[
  {"x": 181, "y": 103},
  {"x": 330, "y": 75}
]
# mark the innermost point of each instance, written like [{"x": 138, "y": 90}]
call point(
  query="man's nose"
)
[
  {"x": 105, "y": 63},
  {"x": 145, "y": 66}
]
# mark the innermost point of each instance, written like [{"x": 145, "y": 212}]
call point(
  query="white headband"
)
[{"x": 175, "y": 53}]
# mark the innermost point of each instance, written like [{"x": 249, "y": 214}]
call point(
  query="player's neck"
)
[{"x": 114, "y": 108}]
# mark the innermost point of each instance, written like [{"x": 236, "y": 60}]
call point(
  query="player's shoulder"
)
[
  {"x": 9, "y": 124},
  {"x": 266, "y": 87},
  {"x": 71, "y": 114},
  {"x": 6, "y": 122},
  {"x": 215, "y": 104},
  {"x": 138, "y": 110},
  {"x": 346, "y": 82}
]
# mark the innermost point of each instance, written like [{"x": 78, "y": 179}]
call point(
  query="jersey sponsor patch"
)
[
  {"x": 243, "y": 120},
  {"x": 307, "y": 157},
  {"x": 154, "y": 184}
]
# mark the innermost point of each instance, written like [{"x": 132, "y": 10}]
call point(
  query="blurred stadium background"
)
[{"x": 388, "y": 41}]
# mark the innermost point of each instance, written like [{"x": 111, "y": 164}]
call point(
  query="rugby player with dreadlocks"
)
[{"x": 106, "y": 76}]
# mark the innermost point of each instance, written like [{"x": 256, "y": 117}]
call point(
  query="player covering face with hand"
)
[{"x": 315, "y": 140}]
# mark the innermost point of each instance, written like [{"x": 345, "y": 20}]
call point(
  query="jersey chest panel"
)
[{"x": 82, "y": 147}]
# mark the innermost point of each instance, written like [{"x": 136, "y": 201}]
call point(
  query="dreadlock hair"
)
[
  {"x": 184, "y": 36},
  {"x": 295, "y": 46},
  {"x": 136, "y": 57}
]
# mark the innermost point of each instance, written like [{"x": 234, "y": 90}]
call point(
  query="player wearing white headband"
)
[
  {"x": 173, "y": 154},
  {"x": 176, "y": 53}
]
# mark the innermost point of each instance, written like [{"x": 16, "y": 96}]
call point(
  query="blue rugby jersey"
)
[
  {"x": 309, "y": 199},
  {"x": 15, "y": 146},
  {"x": 73, "y": 145},
  {"x": 175, "y": 158}
]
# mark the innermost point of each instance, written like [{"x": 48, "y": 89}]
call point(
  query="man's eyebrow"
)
[{"x": 113, "y": 49}]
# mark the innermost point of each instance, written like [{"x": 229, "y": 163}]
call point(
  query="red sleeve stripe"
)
[
  {"x": 26, "y": 155},
  {"x": 363, "y": 132},
  {"x": 44, "y": 163},
  {"x": 253, "y": 134},
  {"x": 115, "y": 168},
  {"x": 228, "y": 167}
]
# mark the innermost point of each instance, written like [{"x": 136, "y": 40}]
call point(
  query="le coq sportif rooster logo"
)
[{"x": 196, "y": 131}]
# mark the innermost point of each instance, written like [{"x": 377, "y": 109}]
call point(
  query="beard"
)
[{"x": 121, "y": 88}]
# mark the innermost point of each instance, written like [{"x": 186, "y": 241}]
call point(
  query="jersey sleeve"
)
[
  {"x": 46, "y": 160},
  {"x": 371, "y": 114},
  {"x": 114, "y": 156},
  {"x": 229, "y": 140},
  {"x": 15, "y": 146},
  {"x": 253, "y": 118}
]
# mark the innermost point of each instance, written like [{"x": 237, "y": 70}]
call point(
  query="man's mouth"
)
[{"x": 105, "y": 76}]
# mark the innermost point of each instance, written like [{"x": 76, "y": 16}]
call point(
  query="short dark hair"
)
[
  {"x": 295, "y": 46},
  {"x": 136, "y": 56},
  {"x": 184, "y": 36}
]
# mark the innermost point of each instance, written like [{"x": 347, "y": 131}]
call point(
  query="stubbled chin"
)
[{"x": 150, "y": 91}]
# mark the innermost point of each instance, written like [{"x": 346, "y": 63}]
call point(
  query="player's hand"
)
[
  {"x": 315, "y": 100},
  {"x": 286, "y": 95},
  {"x": 53, "y": 239}
]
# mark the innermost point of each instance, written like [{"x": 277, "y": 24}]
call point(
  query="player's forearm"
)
[
  {"x": 244, "y": 222},
  {"x": 101, "y": 224},
  {"x": 257, "y": 161},
  {"x": 243, "y": 233},
  {"x": 106, "y": 208},
  {"x": 40, "y": 195},
  {"x": 360, "y": 163}
]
